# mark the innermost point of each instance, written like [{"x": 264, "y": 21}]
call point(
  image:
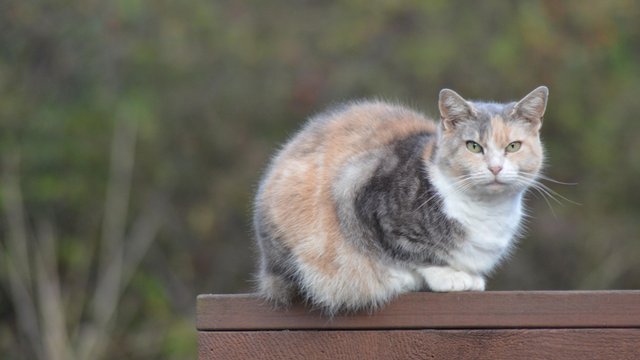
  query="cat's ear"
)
[
  {"x": 531, "y": 108},
  {"x": 453, "y": 108}
]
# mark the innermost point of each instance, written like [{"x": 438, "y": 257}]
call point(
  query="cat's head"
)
[{"x": 490, "y": 148}]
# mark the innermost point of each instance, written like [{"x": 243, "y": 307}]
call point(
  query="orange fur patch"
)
[{"x": 500, "y": 131}]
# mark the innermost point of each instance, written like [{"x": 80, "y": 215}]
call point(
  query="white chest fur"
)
[{"x": 490, "y": 224}]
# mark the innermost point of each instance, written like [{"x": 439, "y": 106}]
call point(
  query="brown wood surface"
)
[
  {"x": 469, "y": 310},
  {"x": 576, "y": 344}
]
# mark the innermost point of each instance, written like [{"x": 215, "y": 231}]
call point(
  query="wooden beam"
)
[{"x": 423, "y": 310}]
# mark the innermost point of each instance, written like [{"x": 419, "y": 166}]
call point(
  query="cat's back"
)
[
  {"x": 295, "y": 192},
  {"x": 333, "y": 137}
]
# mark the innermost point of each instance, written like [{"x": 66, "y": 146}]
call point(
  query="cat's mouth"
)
[
  {"x": 495, "y": 183},
  {"x": 500, "y": 185},
  {"x": 495, "y": 187}
]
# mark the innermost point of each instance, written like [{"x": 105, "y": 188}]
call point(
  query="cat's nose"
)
[{"x": 495, "y": 169}]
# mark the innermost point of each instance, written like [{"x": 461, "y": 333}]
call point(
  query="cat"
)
[{"x": 371, "y": 199}]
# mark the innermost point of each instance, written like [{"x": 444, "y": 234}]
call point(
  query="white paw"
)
[
  {"x": 445, "y": 279},
  {"x": 405, "y": 280}
]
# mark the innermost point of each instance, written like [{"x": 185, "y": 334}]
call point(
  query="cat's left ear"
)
[{"x": 531, "y": 108}]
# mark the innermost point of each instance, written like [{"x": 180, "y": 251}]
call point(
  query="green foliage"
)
[{"x": 214, "y": 87}]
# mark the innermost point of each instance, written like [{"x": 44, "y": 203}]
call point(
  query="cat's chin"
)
[{"x": 498, "y": 187}]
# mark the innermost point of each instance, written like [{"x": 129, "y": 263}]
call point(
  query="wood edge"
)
[{"x": 255, "y": 296}]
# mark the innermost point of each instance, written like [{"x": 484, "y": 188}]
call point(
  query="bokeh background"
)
[{"x": 133, "y": 134}]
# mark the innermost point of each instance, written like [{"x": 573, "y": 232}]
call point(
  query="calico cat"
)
[{"x": 370, "y": 200}]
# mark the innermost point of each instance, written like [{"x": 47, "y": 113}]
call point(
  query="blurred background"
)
[{"x": 133, "y": 134}]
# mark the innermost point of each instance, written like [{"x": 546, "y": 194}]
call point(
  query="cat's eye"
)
[
  {"x": 514, "y": 146},
  {"x": 474, "y": 147}
]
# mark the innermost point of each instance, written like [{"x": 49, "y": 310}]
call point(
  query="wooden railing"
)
[{"x": 472, "y": 325}]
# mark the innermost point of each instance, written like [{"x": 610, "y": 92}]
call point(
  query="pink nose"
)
[{"x": 495, "y": 169}]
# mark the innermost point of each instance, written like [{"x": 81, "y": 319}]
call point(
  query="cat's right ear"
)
[
  {"x": 531, "y": 108},
  {"x": 453, "y": 109}
]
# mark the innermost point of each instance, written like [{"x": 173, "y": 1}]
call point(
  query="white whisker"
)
[
  {"x": 544, "y": 197},
  {"x": 460, "y": 184},
  {"x": 534, "y": 180}
]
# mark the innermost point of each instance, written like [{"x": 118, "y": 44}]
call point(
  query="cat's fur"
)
[{"x": 370, "y": 200}]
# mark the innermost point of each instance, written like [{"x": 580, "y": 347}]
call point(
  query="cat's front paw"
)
[
  {"x": 405, "y": 280},
  {"x": 446, "y": 279}
]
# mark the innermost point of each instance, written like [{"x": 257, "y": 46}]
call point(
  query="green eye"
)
[
  {"x": 514, "y": 146},
  {"x": 474, "y": 147}
]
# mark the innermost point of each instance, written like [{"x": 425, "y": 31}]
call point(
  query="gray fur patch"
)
[{"x": 397, "y": 214}]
